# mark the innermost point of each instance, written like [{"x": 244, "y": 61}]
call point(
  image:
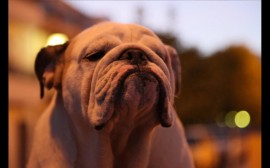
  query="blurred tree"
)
[
  {"x": 212, "y": 86},
  {"x": 170, "y": 39},
  {"x": 245, "y": 82}
]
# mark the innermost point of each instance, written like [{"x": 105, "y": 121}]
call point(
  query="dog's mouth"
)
[{"x": 143, "y": 90}]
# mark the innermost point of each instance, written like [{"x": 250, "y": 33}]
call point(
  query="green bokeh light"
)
[
  {"x": 229, "y": 119},
  {"x": 242, "y": 119}
]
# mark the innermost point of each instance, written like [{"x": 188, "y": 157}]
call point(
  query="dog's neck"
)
[
  {"x": 107, "y": 148},
  {"x": 131, "y": 139}
]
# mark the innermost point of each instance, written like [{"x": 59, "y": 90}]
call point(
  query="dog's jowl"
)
[{"x": 114, "y": 102}]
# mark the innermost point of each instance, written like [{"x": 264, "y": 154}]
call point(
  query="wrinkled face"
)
[{"x": 113, "y": 68}]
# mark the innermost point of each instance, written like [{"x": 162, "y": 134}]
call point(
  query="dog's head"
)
[{"x": 112, "y": 67}]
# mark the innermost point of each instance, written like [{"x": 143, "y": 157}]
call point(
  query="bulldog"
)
[{"x": 114, "y": 102}]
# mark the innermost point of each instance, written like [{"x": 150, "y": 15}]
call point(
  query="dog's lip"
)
[{"x": 141, "y": 72}]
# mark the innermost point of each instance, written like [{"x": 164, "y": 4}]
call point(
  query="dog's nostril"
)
[{"x": 129, "y": 56}]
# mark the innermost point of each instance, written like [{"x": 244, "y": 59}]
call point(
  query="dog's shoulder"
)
[{"x": 53, "y": 144}]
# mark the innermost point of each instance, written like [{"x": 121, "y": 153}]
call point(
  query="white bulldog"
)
[{"x": 114, "y": 102}]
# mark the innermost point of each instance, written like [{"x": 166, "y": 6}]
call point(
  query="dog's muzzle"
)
[{"x": 132, "y": 69}]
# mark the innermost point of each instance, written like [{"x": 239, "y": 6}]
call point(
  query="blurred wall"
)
[{"x": 30, "y": 24}]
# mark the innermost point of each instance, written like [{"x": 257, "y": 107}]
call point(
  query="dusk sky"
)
[{"x": 207, "y": 25}]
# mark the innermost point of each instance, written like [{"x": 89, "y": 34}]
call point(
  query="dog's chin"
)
[{"x": 139, "y": 92}]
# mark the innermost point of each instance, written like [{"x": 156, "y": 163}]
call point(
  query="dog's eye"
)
[{"x": 95, "y": 56}]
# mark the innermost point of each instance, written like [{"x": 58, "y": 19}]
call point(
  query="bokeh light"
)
[
  {"x": 56, "y": 39},
  {"x": 229, "y": 119},
  {"x": 242, "y": 119}
]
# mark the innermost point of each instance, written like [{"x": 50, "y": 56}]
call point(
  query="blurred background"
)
[{"x": 219, "y": 45}]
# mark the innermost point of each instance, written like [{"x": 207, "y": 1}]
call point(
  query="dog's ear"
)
[
  {"x": 174, "y": 65},
  {"x": 48, "y": 66}
]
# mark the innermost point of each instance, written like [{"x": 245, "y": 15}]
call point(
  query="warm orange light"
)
[{"x": 57, "y": 38}]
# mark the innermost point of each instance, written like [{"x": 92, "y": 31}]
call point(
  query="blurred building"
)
[{"x": 31, "y": 22}]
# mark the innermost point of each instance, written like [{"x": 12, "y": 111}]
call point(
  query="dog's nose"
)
[{"x": 135, "y": 56}]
